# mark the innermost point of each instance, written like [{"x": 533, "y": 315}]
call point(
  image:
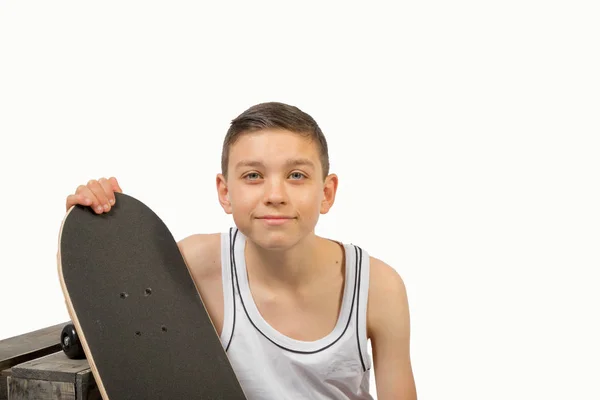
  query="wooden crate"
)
[
  {"x": 52, "y": 377},
  {"x": 26, "y": 347}
]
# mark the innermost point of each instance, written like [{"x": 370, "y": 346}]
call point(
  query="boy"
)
[{"x": 293, "y": 310}]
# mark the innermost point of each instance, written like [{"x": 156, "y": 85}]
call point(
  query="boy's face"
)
[{"x": 275, "y": 188}]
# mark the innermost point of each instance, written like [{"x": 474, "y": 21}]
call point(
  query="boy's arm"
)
[{"x": 388, "y": 322}]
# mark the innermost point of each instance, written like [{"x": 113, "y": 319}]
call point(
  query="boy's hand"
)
[{"x": 98, "y": 194}]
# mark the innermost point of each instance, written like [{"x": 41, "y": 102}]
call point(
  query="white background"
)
[{"x": 465, "y": 135}]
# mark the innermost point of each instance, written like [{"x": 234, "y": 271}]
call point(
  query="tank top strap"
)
[
  {"x": 229, "y": 290},
  {"x": 360, "y": 320}
]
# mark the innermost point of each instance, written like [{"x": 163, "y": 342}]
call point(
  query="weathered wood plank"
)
[
  {"x": 25, "y": 347},
  {"x": 4, "y": 383},
  {"x": 26, "y": 389},
  {"x": 56, "y": 367},
  {"x": 86, "y": 387}
]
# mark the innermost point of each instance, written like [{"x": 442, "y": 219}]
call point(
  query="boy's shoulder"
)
[
  {"x": 202, "y": 253},
  {"x": 387, "y": 295},
  {"x": 383, "y": 275},
  {"x": 388, "y": 328}
]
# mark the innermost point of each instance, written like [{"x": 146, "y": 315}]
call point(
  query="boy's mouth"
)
[{"x": 275, "y": 219}]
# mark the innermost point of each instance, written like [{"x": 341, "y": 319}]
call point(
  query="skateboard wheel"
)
[{"x": 69, "y": 341}]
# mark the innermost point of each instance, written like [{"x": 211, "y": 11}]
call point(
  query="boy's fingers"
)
[
  {"x": 72, "y": 200},
  {"x": 81, "y": 196},
  {"x": 108, "y": 191},
  {"x": 115, "y": 185},
  {"x": 86, "y": 195},
  {"x": 101, "y": 201},
  {"x": 97, "y": 194}
]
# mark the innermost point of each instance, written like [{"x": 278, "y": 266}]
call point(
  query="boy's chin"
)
[{"x": 275, "y": 241}]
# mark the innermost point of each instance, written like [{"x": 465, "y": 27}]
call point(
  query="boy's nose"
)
[{"x": 275, "y": 192}]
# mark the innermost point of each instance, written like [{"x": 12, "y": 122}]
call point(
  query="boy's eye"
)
[
  {"x": 297, "y": 175},
  {"x": 252, "y": 176}
]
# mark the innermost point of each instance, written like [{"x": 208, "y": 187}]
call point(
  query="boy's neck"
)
[{"x": 290, "y": 269}]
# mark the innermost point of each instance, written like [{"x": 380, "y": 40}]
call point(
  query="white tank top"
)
[{"x": 270, "y": 365}]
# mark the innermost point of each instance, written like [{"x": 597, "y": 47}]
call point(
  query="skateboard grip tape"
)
[{"x": 138, "y": 307}]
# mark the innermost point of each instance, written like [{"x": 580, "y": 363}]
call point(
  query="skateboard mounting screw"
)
[
  {"x": 148, "y": 291},
  {"x": 164, "y": 328},
  {"x": 138, "y": 333},
  {"x": 124, "y": 295}
]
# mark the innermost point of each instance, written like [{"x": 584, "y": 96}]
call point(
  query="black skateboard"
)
[{"x": 136, "y": 312}]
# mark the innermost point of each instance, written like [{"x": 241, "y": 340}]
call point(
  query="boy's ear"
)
[
  {"x": 329, "y": 190},
  {"x": 223, "y": 193}
]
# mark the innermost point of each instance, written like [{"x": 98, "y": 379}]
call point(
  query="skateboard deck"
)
[{"x": 136, "y": 309}]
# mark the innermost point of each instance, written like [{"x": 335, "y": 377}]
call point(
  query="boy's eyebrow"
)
[{"x": 289, "y": 162}]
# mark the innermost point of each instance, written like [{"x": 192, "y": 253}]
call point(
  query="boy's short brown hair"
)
[{"x": 275, "y": 115}]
